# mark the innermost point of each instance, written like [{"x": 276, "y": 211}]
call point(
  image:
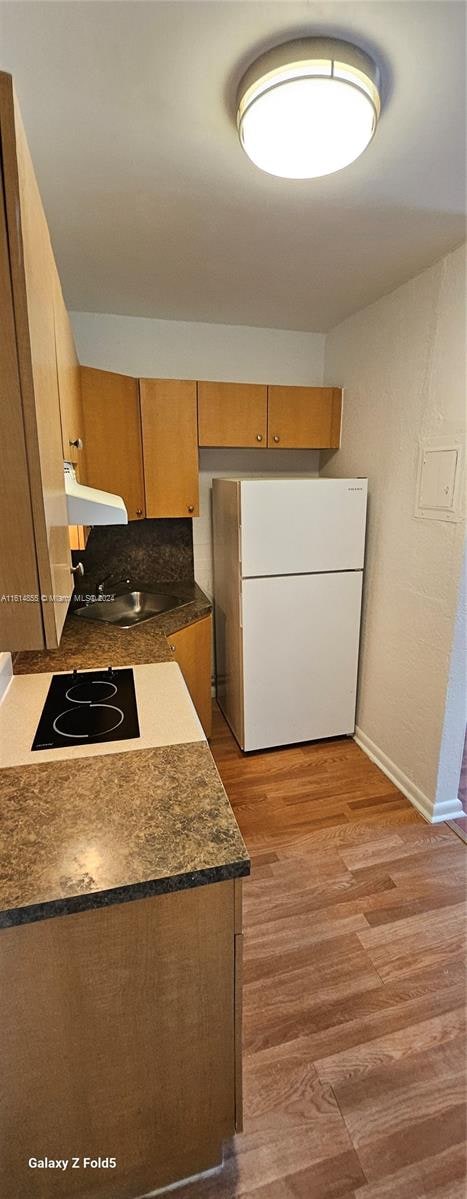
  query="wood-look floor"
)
[{"x": 354, "y": 996}]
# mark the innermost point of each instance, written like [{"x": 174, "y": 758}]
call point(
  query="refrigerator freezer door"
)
[
  {"x": 296, "y": 526},
  {"x": 300, "y": 655}
]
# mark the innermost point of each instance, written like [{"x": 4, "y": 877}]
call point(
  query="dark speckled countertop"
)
[
  {"x": 127, "y": 825},
  {"x": 86, "y": 644},
  {"x": 130, "y": 826}
]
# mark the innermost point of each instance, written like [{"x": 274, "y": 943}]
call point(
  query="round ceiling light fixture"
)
[{"x": 309, "y": 107}]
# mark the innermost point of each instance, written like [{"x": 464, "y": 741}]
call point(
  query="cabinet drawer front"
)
[
  {"x": 170, "y": 446},
  {"x": 232, "y": 414},
  {"x": 304, "y": 417},
  {"x": 112, "y": 424}
]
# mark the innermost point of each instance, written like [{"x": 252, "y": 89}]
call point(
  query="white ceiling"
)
[{"x": 154, "y": 209}]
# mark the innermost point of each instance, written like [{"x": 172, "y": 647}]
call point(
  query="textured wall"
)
[{"x": 402, "y": 362}]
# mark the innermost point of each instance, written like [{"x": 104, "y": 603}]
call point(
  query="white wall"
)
[
  {"x": 402, "y": 361},
  {"x": 193, "y": 350},
  {"x": 237, "y": 353}
]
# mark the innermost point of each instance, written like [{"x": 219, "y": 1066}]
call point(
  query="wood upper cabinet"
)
[
  {"x": 232, "y": 414},
  {"x": 112, "y": 436},
  {"x": 69, "y": 385},
  {"x": 304, "y": 417},
  {"x": 170, "y": 449},
  {"x": 71, "y": 407},
  {"x": 141, "y": 441},
  {"x": 249, "y": 414},
  {"x": 35, "y": 559},
  {"x": 191, "y": 648},
  {"x": 20, "y": 624}
]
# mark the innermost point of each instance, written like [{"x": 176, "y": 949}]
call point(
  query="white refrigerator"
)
[{"x": 288, "y": 572}]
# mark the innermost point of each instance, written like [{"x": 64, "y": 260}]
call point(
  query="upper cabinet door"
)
[
  {"x": 69, "y": 385},
  {"x": 112, "y": 436},
  {"x": 301, "y": 418},
  {"x": 232, "y": 414},
  {"x": 20, "y": 624},
  {"x": 168, "y": 417},
  {"x": 32, "y": 276}
]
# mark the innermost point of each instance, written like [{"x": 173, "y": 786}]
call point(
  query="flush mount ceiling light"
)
[{"x": 309, "y": 107}]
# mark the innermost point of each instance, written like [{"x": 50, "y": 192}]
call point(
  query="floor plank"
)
[
  {"x": 441, "y": 1175},
  {"x": 408, "y": 1043},
  {"x": 354, "y": 991},
  {"x": 399, "y": 1093},
  {"x": 393, "y": 947},
  {"x": 414, "y": 1142}
]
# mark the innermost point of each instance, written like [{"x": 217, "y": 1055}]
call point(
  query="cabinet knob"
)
[
  {"x": 77, "y": 570},
  {"x": 276, "y": 438},
  {"x": 139, "y": 511},
  {"x": 259, "y": 436},
  {"x": 77, "y": 443},
  {"x": 173, "y": 648},
  {"x": 191, "y": 507}
]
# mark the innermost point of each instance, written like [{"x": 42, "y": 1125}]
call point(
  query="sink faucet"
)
[{"x": 113, "y": 582}]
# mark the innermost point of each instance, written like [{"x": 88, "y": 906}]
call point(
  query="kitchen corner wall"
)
[
  {"x": 402, "y": 362},
  {"x": 141, "y": 346}
]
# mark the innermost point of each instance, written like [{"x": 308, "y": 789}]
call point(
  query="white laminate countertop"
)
[{"x": 165, "y": 712}]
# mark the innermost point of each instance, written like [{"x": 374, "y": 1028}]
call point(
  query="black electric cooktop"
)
[{"x": 86, "y": 707}]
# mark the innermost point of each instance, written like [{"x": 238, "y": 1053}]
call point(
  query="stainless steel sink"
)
[{"x": 131, "y": 607}]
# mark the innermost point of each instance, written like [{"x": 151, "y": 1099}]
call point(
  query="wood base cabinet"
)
[
  {"x": 192, "y": 649},
  {"x": 238, "y": 1003},
  {"x": 121, "y": 1042}
]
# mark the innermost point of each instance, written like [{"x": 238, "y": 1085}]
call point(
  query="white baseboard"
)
[{"x": 434, "y": 813}]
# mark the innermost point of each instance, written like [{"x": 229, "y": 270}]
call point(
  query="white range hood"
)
[{"x": 89, "y": 506}]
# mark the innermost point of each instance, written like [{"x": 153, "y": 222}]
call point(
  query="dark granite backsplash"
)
[{"x": 150, "y": 551}]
